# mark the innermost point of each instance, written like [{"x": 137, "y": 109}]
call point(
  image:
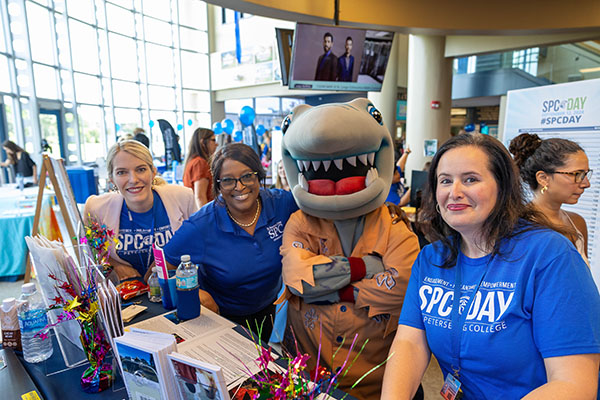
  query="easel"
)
[{"x": 55, "y": 170}]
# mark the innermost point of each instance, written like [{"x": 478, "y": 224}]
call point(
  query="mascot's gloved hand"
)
[
  {"x": 373, "y": 264},
  {"x": 332, "y": 280}
]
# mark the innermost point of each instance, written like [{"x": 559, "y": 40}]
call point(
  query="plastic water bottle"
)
[
  {"x": 188, "y": 302},
  {"x": 154, "y": 292},
  {"x": 32, "y": 318}
]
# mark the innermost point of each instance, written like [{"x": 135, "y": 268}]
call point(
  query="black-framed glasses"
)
[
  {"x": 230, "y": 183},
  {"x": 578, "y": 175}
]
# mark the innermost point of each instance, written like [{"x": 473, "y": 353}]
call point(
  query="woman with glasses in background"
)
[
  {"x": 558, "y": 172},
  {"x": 235, "y": 240}
]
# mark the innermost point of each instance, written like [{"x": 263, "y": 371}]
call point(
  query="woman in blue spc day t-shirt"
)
[
  {"x": 144, "y": 211},
  {"x": 235, "y": 239},
  {"x": 527, "y": 322}
]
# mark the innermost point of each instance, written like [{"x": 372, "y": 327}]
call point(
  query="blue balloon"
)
[
  {"x": 151, "y": 123},
  {"x": 227, "y": 125},
  {"x": 190, "y": 122},
  {"x": 179, "y": 127},
  {"x": 217, "y": 125},
  {"x": 247, "y": 115},
  {"x": 469, "y": 128},
  {"x": 260, "y": 130},
  {"x": 277, "y": 128},
  {"x": 117, "y": 127},
  {"x": 237, "y": 136}
]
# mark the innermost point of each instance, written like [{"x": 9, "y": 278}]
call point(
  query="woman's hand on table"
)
[{"x": 124, "y": 271}]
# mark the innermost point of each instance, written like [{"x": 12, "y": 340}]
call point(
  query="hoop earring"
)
[
  {"x": 544, "y": 189},
  {"x": 437, "y": 208}
]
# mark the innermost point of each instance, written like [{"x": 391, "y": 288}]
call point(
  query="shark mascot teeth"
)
[{"x": 346, "y": 265}]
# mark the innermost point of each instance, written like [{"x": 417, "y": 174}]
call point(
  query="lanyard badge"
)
[
  {"x": 452, "y": 386},
  {"x": 451, "y": 389}
]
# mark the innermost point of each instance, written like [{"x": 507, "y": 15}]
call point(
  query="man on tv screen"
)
[
  {"x": 346, "y": 63},
  {"x": 327, "y": 63}
]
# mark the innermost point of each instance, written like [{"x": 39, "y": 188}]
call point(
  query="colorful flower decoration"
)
[{"x": 295, "y": 383}]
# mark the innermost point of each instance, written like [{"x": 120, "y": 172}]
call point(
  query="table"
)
[
  {"x": 55, "y": 381},
  {"x": 17, "y": 209}
]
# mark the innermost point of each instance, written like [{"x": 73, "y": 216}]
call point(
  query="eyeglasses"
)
[
  {"x": 578, "y": 175},
  {"x": 230, "y": 183}
]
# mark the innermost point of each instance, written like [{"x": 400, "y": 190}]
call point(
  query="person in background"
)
[
  {"x": 399, "y": 195},
  {"x": 327, "y": 63},
  {"x": 144, "y": 210},
  {"x": 197, "y": 174},
  {"x": 265, "y": 147},
  {"x": 557, "y": 171},
  {"x": 507, "y": 307},
  {"x": 281, "y": 181},
  {"x": 346, "y": 63},
  {"x": 25, "y": 168},
  {"x": 235, "y": 240},
  {"x": 140, "y": 135}
]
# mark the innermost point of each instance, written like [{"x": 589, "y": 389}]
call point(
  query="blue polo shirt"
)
[{"x": 241, "y": 272}]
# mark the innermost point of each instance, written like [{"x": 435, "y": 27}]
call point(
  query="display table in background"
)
[{"x": 17, "y": 211}]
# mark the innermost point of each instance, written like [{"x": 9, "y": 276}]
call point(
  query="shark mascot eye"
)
[
  {"x": 345, "y": 263},
  {"x": 375, "y": 114},
  {"x": 286, "y": 123}
]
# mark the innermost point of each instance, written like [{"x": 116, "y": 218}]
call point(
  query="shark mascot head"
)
[{"x": 338, "y": 158}]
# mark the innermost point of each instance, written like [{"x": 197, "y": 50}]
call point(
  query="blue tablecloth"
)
[{"x": 17, "y": 211}]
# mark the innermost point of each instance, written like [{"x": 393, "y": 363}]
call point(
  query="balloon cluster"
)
[{"x": 247, "y": 117}]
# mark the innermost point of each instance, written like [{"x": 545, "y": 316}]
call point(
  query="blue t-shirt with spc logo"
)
[
  {"x": 136, "y": 231},
  {"x": 536, "y": 300},
  {"x": 242, "y": 272}
]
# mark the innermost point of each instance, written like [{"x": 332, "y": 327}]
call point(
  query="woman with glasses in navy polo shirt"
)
[
  {"x": 235, "y": 239},
  {"x": 558, "y": 172}
]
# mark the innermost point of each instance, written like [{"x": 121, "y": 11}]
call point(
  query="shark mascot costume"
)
[{"x": 345, "y": 263}]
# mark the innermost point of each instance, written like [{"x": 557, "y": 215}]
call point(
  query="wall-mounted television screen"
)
[
  {"x": 285, "y": 41},
  {"x": 336, "y": 58}
]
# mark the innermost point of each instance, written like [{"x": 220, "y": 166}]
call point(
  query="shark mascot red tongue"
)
[{"x": 345, "y": 264}]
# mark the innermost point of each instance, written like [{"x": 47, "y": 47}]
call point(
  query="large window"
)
[{"x": 109, "y": 66}]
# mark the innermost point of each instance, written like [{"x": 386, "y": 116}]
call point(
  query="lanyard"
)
[
  {"x": 151, "y": 238},
  {"x": 458, "y": 321}
]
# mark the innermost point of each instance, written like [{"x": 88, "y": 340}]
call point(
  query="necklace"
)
[{"x": 251, "y": 222}]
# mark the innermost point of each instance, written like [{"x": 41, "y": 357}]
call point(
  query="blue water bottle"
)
[{"x": 188, "y": 301}]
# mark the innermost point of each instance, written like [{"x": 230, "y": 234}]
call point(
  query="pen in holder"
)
[{"x": 168, "y": 290}]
